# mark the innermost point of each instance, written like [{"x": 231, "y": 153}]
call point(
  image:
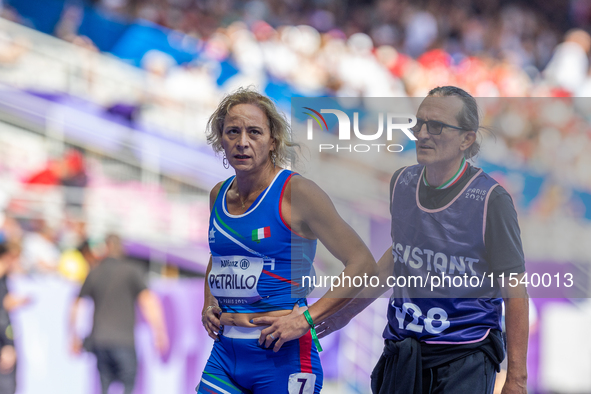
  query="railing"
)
[
  {"x": 150, "y": 157},
  {"x": 44, "y": 63},
  {"x": 149, "y": 215}
]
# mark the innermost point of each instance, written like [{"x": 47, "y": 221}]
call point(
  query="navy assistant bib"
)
[{"x": 448, "y": 244}]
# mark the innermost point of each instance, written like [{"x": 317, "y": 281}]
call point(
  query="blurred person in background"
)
[
  {"x": 75, "y": 263},
  {"x": 569, "y": 65},
  {"x": 115, "y": 285},
  {"x": 40, "y": 251},
  {"x": 73, "y": 233},
  {"x": 75, "y": 180},
  {"x": 9, "y": 254},
  {"x": 48, "y": 176},
  {"x": 444, "y": 209},
  {"x": 11, "y": 229},
  {"x": 68, "y": 171},
  {"x": 264, "y": 225},
  {"x": 12, "y": 50}
]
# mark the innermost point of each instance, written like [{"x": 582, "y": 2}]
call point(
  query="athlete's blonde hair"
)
[{"x": 284, "y": 152}]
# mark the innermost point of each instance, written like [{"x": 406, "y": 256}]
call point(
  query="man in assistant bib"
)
[{"x": 454, "y": 234}]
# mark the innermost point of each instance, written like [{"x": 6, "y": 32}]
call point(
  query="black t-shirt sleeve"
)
[
  {"x": 86, "y": 289},
  {"x": 137, "y": 281},
  {"x": 392, "y": 181},
  {"x": 502, "y": 235}
]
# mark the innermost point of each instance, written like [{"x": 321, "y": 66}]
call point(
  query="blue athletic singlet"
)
[
  {"x": 257, "y": 261},
  {"x": 257, "y": 266},
  {"x": 442, "y": 246}
]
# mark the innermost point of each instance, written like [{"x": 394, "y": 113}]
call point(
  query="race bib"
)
[
  {"x": 233, "y": 280},
  {"x": 301, "y": 383}
]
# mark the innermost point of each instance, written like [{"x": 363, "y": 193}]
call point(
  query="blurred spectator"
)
[
  {"x": 157, "y": 65},
  {"x": 75, "y": 180},
  {"x": 70, "y": 20},
  {"x": 114, "y": 286},
  {"x": 68, "y": 171},
  {"x": 9, "y": 253},
  {"x": 11, "y": 229},
  {"x": 40, "y": 251},
  {"x": 48, "y": 176},
  {"x": 74, "y": 264},
  {"x": 570, "y": 63},
  {"x": 11, "y": 50},
  {"x": 421, "y": 33},
  {"x": 73, "y": 233}
]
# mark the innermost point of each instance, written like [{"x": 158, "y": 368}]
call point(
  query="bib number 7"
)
[
  {"x": 301, "y": 383},
  {"x": 435, "y": 323}
]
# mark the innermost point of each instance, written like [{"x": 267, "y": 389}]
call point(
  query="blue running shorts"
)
[{"x": 239, "y": 365}]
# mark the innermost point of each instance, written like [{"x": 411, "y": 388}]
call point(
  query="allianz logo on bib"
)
[{"x": 244, "y": 263}]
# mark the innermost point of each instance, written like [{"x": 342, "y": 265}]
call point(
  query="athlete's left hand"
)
[
  {"x": 282, "y": 329},
  {"x": 513, "y": 386}
]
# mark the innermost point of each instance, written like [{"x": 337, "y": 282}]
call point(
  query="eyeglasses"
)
[{"x": 434, "y": 127}]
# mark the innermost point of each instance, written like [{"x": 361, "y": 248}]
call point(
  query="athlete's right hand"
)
[
  {"x": 211, "y": 321},
  {"x": 333, "y": 323}
]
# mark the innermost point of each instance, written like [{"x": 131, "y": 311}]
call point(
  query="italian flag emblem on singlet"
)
[{"x": 260, "y": 233}]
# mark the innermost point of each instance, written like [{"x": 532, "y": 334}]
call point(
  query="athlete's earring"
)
[
  {"x": 225, "y": 162},
  {"x": 273, "y": 157}
]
